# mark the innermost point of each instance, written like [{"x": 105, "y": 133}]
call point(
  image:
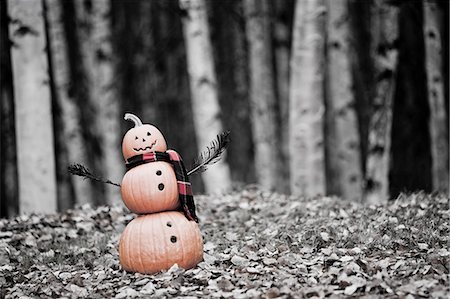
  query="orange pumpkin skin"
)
[
  {"x": 150, "y": 188},
  {"x": 143, "y": 139},
  {"x": 155, "y": 242}
]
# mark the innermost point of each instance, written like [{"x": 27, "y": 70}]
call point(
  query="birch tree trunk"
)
[
  {"x": 8, "y": 161},
  {"x": 438, "y": 125},
  {"x": 34, "y": 130},
  {"x": 94, "y": 19},
  {"x": 69, "y": 117},
  {"x": 263, "y": 105},
  {"x": 204, "y": 94},
  {"x": 384, "y": 52},
  {"x": 306, "y": 109},
  {"x": 343, "y": 143}
]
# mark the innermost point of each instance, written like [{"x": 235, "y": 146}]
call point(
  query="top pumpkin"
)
[{"x": 141, "y": 139}]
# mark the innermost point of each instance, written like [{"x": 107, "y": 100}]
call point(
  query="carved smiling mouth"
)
[{"x": 145, "y": 148}]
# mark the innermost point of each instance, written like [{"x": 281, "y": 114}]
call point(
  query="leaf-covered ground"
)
[{"x": 257, "y": 244}]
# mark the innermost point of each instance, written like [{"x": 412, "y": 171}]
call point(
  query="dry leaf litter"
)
[{"x": 257, "y": 245}]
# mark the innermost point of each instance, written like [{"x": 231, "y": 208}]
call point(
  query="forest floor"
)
[{"x": 257, "y": 244}]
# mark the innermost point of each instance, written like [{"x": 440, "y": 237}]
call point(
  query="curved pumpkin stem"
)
[{"x": 133, "y": 118}]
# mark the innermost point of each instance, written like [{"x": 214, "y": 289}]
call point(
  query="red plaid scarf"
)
[{"x": 185, "y": 195}]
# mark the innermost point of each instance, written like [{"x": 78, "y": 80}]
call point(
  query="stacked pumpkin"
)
[{"x": 160, "y": 236}]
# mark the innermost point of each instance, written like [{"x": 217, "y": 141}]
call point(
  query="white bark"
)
[
  {"x": 34, "y": 128},
  {"x": 343, "y": 143},
  {"x": 70, "y": 111},
  {"x": 98, "y": 63},
  {"x": 266, "y": 135},
  {"x": 204, "y": 94},
  {"x": 384, "y": 53},
  {"x": 306, "y": 109},
  {"x": 438, "y": 125}
]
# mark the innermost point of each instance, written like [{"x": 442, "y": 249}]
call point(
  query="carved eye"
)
[
  {"x": 148, "y": 134},
  {"x": 136, "y": 138}
]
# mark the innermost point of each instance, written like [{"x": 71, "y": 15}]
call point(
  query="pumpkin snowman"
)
[{"x": 156, "y": 187}]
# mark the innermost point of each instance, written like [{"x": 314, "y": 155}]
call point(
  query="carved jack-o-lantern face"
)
[{"x": 142, "y": 139}]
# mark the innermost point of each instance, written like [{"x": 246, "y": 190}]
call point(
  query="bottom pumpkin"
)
[{"x": 154, "y": 242}]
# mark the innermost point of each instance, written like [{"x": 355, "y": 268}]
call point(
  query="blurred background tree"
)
[
  {"x": 307, "y": 106},
  {"x": 32, "y": 106},
  {"x": 322, "y": 97}
]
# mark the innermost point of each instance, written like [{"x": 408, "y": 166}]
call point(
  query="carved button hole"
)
[
  {"x": 173, "y": 239},
  {"x": 161, "y": 186},
  {"x": 169, "y": 224},
  {"x": 158, "y": 172}
]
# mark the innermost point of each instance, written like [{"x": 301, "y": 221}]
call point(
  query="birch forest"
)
[{"x": 345, "y": 98}]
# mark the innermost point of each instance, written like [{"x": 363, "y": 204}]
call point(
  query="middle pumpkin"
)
[{"x": 150, "y": 188}]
